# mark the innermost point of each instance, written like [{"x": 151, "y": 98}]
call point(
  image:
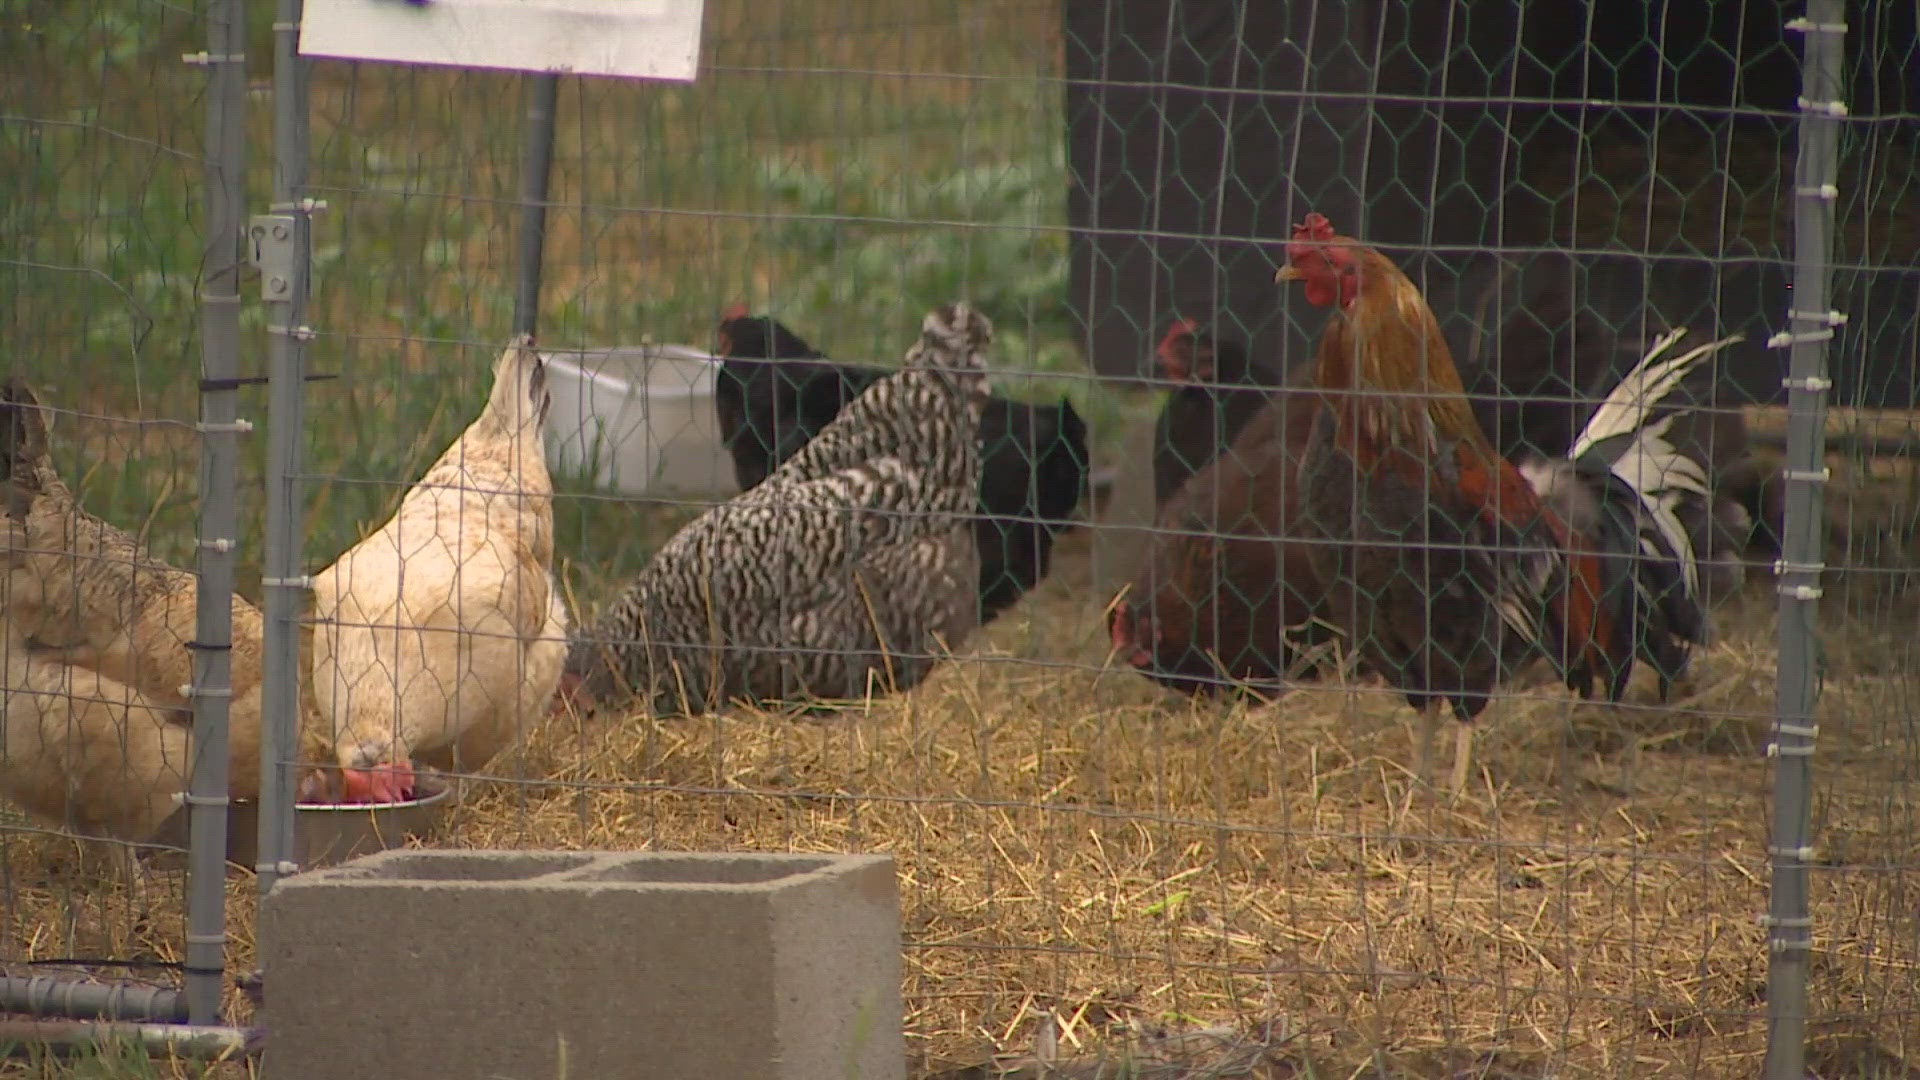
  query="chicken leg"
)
[
  {"x": 1423, "y": 746},
  {"x": 1462, "y": 756}
]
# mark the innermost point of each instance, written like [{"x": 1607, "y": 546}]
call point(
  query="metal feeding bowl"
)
[{"x": 323, "y": 833}]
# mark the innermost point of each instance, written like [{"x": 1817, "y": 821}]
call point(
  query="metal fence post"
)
[
  {"x": 1790, "y": 934},
  {"x": 220, "y": 429},
  {"x": 283, "y": 587},
  {"x": 543, "y": 98}
]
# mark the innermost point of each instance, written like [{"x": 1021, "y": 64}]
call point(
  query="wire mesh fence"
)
[
  {"x": 1163, "y": 801},
  {"x": 120, "y": 648}
]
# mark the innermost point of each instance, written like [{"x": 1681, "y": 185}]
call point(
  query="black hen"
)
[
  {"x": 776, "y": 392},
  {"x": 1223, "y": 390}
]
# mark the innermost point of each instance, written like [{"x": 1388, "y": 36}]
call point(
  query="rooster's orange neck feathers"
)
[{"x": 1383, "y": 355}]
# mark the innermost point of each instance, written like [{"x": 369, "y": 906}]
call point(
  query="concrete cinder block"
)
[{"x": 543, "y": 965}]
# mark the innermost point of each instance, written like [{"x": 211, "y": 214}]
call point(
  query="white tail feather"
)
[
  {"x": 1650, "y": 464},
  {"x": 1651, "y": 380}
]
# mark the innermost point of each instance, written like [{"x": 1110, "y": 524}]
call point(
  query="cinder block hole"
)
[
  {"x": 671, "y": 870},
  {"x": 459, "y": 866}
]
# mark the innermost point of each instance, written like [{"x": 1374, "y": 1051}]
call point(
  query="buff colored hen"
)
[
  {"x": 97, "y": 659},
  {"x": 439, "y": 635}
]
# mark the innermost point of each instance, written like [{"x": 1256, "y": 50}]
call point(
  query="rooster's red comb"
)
[
  {"x": 1316, "y": 228},
  {"x": 1310, "y": 236},
  {"x": 1179, "y": 329},
  {"x": 734, "y": 311}
]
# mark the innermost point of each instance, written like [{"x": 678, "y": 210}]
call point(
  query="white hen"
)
[{"x": 441, "y": 633}]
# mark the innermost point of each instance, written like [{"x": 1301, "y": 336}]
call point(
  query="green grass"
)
[
  {"x": 802, "y": 173},
  {"x": 113, "y": 1061}
]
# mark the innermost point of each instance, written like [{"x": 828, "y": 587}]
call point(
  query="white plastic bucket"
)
[{"x": 638, "y": 421}]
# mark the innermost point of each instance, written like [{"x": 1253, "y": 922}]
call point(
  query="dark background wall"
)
[{"x": 1463, "y": 137}]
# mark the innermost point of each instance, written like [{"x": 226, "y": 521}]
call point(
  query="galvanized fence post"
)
[
  {"x": 220, "y": 431},
  {"x": 288, "y": 229},
  {"x": 543, "y": 99},
  {"x": 1812, "y": 325}
]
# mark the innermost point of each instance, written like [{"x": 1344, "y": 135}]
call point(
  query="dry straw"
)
[{"x": 1093, "y": 869}]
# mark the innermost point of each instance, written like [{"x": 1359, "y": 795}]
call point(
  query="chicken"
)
[
  {"x": 89, "y": 592},
  {"x": 1444, "y": 566},
  {"x": 440, "y": 634},
  {"x": 851, "y": 567},
  {"x": 77, "y": 749},
  {"x": 1531, "y": 389},
  {"x": 86, "y": 752},
  {"x": 1227, "y": 590},
  {"x": 775, "y": 392},
  {"x": 1222, "y": 390},
  {"x": 86, "y": 606}
]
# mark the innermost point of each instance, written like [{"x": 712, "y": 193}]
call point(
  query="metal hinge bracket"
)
[{"x": 270, "y": 248}]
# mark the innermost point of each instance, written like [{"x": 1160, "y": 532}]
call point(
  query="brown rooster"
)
[{"x": 1444, "y": 565}]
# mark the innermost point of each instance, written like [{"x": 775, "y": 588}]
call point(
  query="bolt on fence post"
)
[
  {"x": 1812, "y": 325},
  {"x": 283, "y": 588},
  {"x": 543, "y": 99},
  {"x": 220, "y": 431}
]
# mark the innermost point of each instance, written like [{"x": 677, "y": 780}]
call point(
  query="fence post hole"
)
[
  {"x": 1812, "y": 324},
  {"x": 220, "y": 430},
  {"x": 282, "y": 586}
]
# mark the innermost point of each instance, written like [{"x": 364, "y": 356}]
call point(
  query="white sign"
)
[{"x": 645, "y": 39}]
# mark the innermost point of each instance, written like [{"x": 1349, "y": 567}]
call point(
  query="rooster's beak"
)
[{"x": 1287, "y": 273}]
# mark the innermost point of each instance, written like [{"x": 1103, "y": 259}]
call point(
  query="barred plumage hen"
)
[
  {"x": 846, "y": 571},
  {"x": 775, "y": 392}
]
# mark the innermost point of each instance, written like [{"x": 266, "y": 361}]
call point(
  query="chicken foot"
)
[{"x": 1424, "y": 746}]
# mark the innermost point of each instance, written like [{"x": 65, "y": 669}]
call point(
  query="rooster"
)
[
  {"x": 1445, "y": 566},
  {"x": 442, "y": 632},
  {"x": 1221, "y": 391},
  {"x": 852, "y": 563}
]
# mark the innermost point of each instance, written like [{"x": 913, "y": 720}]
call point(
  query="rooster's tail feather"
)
[
  {"x": 1642, "y": 482},
  {"x": 1661, "y": 476},
  {"x": 1640, "y": 391}
]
